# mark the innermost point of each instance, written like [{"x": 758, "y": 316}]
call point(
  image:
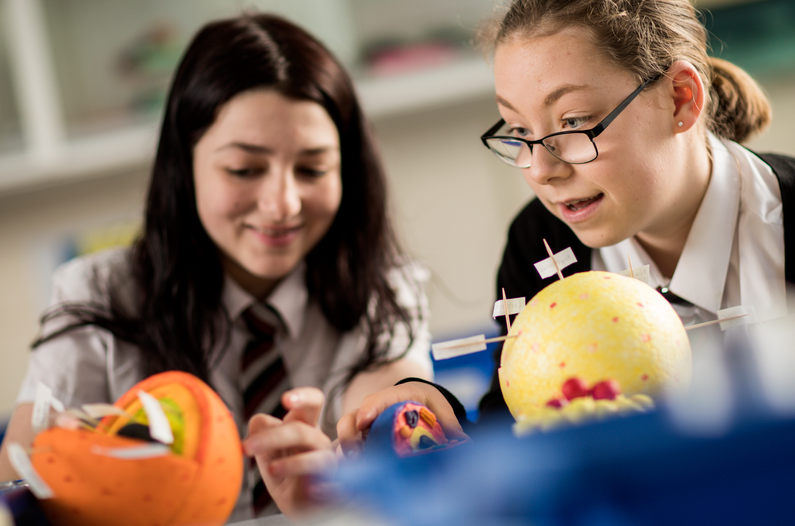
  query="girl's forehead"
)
[{"x": 538, "y": 66}]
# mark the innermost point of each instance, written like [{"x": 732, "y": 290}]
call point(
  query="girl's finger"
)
[
  {"x": 302, "y": 464},
  {"x": 288, "y": 437},
  {"x": 350, "y": 438},
  {"x": 303, "y": 404}
]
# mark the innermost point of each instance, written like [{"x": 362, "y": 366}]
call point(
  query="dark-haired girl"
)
[{"x": 267, "y": 265}]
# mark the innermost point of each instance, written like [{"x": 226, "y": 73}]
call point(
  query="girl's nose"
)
[
  {"x": 280, "y": 196},
  {"x": 545, "y": 167}
]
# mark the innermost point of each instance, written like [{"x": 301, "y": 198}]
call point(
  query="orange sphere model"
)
[
  {"x": 195, "y": 484},
  {"x": 595, "y": 326}
]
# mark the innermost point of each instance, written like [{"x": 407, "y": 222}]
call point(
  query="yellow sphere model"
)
[{"x": 595, "y": 326}]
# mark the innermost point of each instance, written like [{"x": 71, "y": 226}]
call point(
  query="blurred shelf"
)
[
  {"x": 105, "y": 154},
  {"x": 407, "y": 93},
  {"x": 133, "y": 147}
]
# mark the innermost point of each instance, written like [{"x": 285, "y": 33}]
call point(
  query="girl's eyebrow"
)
[
  {"x": 319, "y": 150},
  {"x": 259, "y": 149},
  {"x": 251, "y": 148},
  {"x": 558, "y": 93},
  {"x": 551, "y": 98}
]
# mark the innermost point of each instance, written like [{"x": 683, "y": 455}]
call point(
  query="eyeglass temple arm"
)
[
  {"x": 599, "y": 128},
  {"x": 492, "y": 130}
]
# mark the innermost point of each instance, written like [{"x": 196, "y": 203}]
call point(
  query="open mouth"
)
[{"x": 579, "y": 204}]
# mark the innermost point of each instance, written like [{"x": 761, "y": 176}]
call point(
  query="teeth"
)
[{"x": 572, "y": 205}]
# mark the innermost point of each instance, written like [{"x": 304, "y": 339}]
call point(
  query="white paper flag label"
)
[
  {"x": 24, "y": 468},
  {"x": 453, "y": 348},
  {"x": 43, "y": 402},
  {"x": 731, "y": 312},
  {"x": 133, "y": 453},
  {"x": 102, "y": 410},
  {"x": 515, "y": 306},
  {"x": 640, "y": 273},
  {"x": 564, "y": 258},
  {"x": 159, "y": 428}
]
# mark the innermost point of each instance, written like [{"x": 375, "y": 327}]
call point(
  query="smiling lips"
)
[{"x": 278, "y": 236}]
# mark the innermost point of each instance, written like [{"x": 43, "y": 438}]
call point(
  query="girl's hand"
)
[
  {"x": 350, "y": 428},
  {"x": 290, "y": 451}
]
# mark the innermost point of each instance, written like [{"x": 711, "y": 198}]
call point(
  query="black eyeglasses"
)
[{"x": 573, "y": 147}]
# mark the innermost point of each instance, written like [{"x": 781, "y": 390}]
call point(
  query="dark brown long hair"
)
[{"x": 177, "y": 267}]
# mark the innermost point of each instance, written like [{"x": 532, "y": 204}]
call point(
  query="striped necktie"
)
[{"x": 264, "y": 381}]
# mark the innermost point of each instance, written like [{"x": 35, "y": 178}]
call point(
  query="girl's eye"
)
[
  {"x": 312, "y": 172},
  {"x": 575, "y": 122},
  {"x": 243, "y": 172},
  {"x": 519, "y": 132}
]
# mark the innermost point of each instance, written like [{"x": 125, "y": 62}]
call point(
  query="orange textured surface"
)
[{"x": 199, "y": 489}]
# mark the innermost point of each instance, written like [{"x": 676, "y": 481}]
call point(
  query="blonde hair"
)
[{"x": 645, "y": 37}]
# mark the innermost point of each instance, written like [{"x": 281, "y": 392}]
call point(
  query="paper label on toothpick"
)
[
  {"x": 159, "y": 428},
  {"x": 748, "y": 310},
  {"x": 453, "y": 348},
  {"x": 640, "y": 273},
  {"x": 133, "y": 453},
  {"x": 564, "y": 258},
  {"x": 515, "y": 306},
  {"x": 40, "y": 418},
  {"x": 102, "y": 410},
  {"x": 24, "y": 467}
]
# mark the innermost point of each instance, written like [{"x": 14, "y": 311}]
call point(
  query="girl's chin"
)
[{"x": 598, "y": 238}]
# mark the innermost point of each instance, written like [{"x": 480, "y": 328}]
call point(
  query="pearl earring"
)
[{"x": 681, "y": 124}]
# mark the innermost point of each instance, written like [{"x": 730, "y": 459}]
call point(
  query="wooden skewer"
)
[
  {"x": 552, "y": 256},
  {"x": 505, "y": 306},
  {"x": 490, "y": 340},
  {"x": 713, "y": 322},
  {"x": 631, "y": 272}
]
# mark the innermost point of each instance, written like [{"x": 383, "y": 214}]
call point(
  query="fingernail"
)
[{"x": 364, "y": 417}]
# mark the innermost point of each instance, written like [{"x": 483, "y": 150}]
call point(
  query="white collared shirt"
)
[{"x": 734, "y": 253}]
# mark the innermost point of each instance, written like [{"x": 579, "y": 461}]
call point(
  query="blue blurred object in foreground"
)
[
  {"x": 633, "y": 471},
  {"x": 646, "y": 469}
]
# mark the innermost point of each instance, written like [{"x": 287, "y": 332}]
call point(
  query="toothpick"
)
[
  {"x": 713, "y": 322},
  {"x": 552, "y": 256},
  {"x": 631, "y": 272},
  {"x": 490, "y": 340},
  {"x": 505, "y": 306}
]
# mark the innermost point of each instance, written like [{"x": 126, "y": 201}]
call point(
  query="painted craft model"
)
[
  {"x": 121, "y": 471},
  {"x": 405, "y": 429},
  {"x": 592, "y": 344}
]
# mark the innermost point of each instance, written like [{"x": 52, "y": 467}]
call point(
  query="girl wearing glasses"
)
[
  {"x": 628, "y": 134},
  {"x": 267, "y": 200}
]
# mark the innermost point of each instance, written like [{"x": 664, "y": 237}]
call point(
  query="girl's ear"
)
[{"x": 687, "y": 94}]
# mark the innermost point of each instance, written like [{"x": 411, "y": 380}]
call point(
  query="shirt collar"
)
[
  {"x": 289, "y": 299},
  {"x": 700, "y": 274}
]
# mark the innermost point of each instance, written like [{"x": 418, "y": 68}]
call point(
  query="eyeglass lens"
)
[{"x": 571, "y": 148}]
